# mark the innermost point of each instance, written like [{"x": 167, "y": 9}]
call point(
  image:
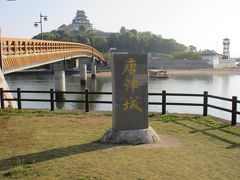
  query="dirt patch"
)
[
  {"x": 3, "y": 123},
  {"x": 166, "y": 141}
]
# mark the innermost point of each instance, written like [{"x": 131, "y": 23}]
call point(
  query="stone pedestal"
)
[{"x": 136, "y": 136}]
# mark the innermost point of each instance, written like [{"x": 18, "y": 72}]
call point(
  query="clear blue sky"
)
[{"x": 203, "y": 23}]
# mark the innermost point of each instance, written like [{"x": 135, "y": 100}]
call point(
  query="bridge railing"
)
[
  {"x": 164, "y": 103},
  {"x": 15, "y": 46}
]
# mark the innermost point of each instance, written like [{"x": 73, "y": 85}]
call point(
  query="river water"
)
[{"x": 219, "y": 85}]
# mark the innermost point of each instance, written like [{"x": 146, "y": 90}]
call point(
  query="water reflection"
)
[
  {"x": 60, "y": 105},
  {"x": 220, "y": 85},
  {"x": 94, "y": 85}
]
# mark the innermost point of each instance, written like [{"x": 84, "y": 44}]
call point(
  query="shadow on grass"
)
[
  {"x": 220, "y": 128},
  {"x": 204, "y": 131},
  {"x": 210, "y": 126},
  {"x": 6, "y": 164}
]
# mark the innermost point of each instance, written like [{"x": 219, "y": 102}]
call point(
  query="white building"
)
[
  {"x": 79, "y": 20},
  {"x": 217, "y": 60},
  {"x": 210, "y": 55}
]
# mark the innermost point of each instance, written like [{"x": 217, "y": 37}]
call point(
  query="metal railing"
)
[{"x": 52, "y": 100}]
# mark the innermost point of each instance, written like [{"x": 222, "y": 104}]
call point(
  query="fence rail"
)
[{"x": 52, "y": 100}]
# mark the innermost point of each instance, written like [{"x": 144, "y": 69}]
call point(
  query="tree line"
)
[{"x": 125, "y": 40}]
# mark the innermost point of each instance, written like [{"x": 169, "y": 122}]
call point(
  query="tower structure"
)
[
  {"x": 80, "y": 20},
  {"x": 226, "y": 52}
]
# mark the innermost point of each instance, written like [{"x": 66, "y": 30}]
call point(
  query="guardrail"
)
[
  {"x": 16, "y": 52},
  {"x": 16, "y": 46},
  {"x": 52, "y": 100}
]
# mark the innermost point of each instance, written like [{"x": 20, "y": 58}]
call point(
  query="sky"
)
[{"x": 202, "y": 23}]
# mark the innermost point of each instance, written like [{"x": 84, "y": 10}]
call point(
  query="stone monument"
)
[{"x": 130, "y": 101}]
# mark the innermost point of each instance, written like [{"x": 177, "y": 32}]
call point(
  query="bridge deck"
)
[{"x": 24, "y": 53}]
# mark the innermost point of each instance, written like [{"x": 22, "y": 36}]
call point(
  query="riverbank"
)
[
  {"x": 64, "y": 144},
  {"x": 188, "y": 72},
  {"x": 203, "y": 71}
]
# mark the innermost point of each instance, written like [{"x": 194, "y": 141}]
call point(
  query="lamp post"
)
[
  {"x": 93, "y": 65},
  {"x": 92, "y": 44},
  {"x": 40, "y": 22}
]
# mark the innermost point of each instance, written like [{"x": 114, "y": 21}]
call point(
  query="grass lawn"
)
[{"x": 64, "y": 145}]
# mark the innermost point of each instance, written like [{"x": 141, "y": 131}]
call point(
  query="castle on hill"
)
[{"x": 80, "y": 20}]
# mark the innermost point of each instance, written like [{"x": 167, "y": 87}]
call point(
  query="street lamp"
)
[
  {"x": 40, "y": 22},
  {"x": 92, "y": 44}
]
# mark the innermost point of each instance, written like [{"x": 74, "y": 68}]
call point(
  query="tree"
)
[
  {"x": 187, "y": 55},
  {"x": 126, "y": 40},
  {"x": 155, "y": 44},
  {"x": 192, "y": 48},
  {"x": 123, "y": 30},
  {"x": 100, "y": 43}
]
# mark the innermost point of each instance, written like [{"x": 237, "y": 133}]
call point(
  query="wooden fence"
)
[{"x": 52, "y": 94}]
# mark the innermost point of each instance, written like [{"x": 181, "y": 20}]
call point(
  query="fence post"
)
[
  {"x": 19, "y": 98},
  {"x": 52, "y": 99},
  {"x": 205, "y": 103},
  {"x": 2, "y": 98},
  {"x": 86, "y": 101},
  {"x": 163, "y": 102},
  {"x": 234, "y": 110}
]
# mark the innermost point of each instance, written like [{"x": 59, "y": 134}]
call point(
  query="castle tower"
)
[
  {"x": 80, "y": 20},
  {"x": 226, "y": 52}
]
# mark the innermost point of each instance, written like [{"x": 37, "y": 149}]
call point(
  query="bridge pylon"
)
[
  {"x": 4, "y": 85},
  {"x": 59, "y": 79}
]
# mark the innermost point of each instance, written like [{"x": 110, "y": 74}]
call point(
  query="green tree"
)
[
  {"x": 112, "y": 40},
  {"x": 187, "y": 55},
  {"x": 100, "y": 43},
  {"x": 123, "y": 30},
  {"x": 192, "y": 48},
  {"x": 126, "y": 40}
]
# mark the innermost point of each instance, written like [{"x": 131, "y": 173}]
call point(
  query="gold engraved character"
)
[
  {"x": 130, "y": 67},
  {"x": 131, "y": 85},
  {"x": 131, "y": 103}
]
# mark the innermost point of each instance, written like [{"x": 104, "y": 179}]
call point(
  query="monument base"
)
[{"x": 136, "y": 136}]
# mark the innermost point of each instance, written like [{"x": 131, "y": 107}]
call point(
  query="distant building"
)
[
  {"x": 210, "y": 55},
  {"x": 226, "y": 50},
  {"x": 79, "y": 20},
  {"x": 217, "y": 61}
]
